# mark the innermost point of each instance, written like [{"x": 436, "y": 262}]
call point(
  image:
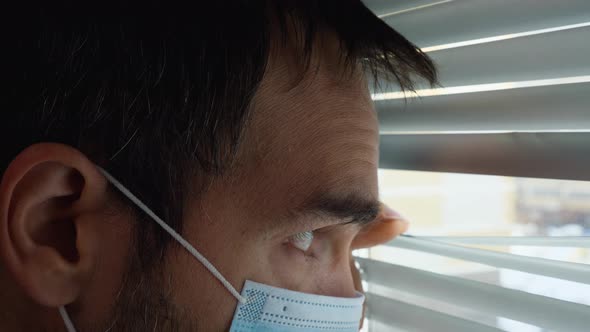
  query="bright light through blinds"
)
[
  {"x": 414, "y": 8},
  {"x": 481, "y": 88},
  {"x": 537, "y": 279},
  {"x": 503, "y": 37},
  {"x": 489, "y": 253}
]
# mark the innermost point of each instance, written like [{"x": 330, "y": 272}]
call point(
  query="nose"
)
[{"x": 338, "y": 280}]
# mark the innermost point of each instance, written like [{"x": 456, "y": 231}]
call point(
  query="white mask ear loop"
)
[
  {"x": 175, "y": 235},
  {"x": 66, "y": 318}
]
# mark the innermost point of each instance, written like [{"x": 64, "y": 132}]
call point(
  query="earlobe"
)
[{"x": 46, "y": 195}]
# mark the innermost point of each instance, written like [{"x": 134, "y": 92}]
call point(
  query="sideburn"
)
[{"x": 144, "y": 302}]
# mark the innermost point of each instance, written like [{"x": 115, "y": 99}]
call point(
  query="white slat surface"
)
[
  {"x": 408, "y": 317},
  {"x": 542, "y": 155},
  {"x": 543, "y": 108},
  {"x": 540, "y": 266},
  {"x": 461, "y": 20},
  {"x": 534, "y": 309},
  {"x": 518, "y": 59}
]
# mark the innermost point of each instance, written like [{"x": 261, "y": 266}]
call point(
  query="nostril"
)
[{"x": 285, "y": 308}]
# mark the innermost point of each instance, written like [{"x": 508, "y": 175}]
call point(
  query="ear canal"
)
[{"x": 51, "y": 221}]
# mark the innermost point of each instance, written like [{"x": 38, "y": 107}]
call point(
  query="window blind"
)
[{"x": 514, "y": 101}]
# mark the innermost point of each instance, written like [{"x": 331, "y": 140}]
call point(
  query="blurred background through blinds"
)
[{"x": 499, "y": 151}]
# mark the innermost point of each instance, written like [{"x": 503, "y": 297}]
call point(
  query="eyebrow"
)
[{"x": 354, "y": 208}]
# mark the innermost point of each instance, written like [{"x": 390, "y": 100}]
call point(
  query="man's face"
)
[{"x": 308, "y": 162}]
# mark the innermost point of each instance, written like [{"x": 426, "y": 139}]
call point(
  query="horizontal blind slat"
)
[
  {"x": 534, "y": 309},
  {"x": 549, "y": 55},
  {"x": 462, "y": 20},
  {"x": 541, "y": 155},
  {"x": 540, "y": 266},
  {"x": 543, "y": 108},
  {"x": 406, "y": 316},
  {"x": 384, "y": 8},
  {"x": 535, "y": 241}
]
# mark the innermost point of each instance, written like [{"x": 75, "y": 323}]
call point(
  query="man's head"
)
[{"x": 241, "y": 124}]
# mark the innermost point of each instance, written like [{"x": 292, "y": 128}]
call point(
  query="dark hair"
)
[{"x": 157, "y": 92}]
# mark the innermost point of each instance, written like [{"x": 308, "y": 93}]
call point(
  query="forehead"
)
[{"x": 319, "y": 133}]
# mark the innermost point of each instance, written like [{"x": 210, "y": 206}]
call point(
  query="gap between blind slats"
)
[
  {"x": 542, "y": 108},
  {"x": 538, "y": 155},
  {"x": 534, "y": 241},
  {"x": 534, "y": 309},
  {"x": 462, "y": 20},
  {"x": 407, "y": 316},
  {"x": 540, "y": 266}
]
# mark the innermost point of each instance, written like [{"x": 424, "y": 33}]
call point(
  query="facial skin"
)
[{"x": 308, "y": 161}]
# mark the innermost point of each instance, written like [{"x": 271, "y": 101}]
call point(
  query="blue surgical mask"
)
[{"x": 262, "y": 307}]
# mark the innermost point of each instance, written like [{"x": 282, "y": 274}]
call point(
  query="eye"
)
[{"x": 302, "y": 241}]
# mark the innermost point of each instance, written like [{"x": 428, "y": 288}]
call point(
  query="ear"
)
[
  {"x": 47, "y": 195},
  {"x": 389, "y": 224}
]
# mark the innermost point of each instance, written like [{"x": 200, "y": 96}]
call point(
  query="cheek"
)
[
  {"x": 198, "y": 293},
  {"x": 237, "y": 252},
  {"x": 108, "y": 278},
  {"x": 290, "y": 268}
]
